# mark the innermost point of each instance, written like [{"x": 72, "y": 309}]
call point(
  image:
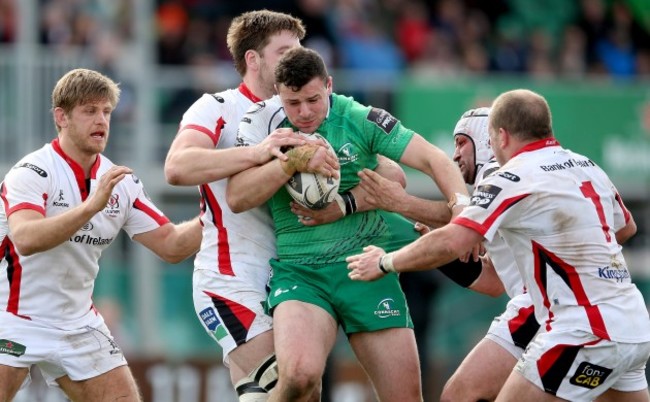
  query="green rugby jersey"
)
[{"x": 358, "y": 133}]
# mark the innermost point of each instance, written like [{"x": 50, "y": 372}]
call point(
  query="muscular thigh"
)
[
  {"x": 11, "y": 379},
  {"x": 390, "y": 358},
  {"x": 114, "y": 385},
  {"x": 482, "y": 373}
]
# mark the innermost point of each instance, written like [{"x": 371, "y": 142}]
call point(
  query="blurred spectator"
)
[
  {"x": 321, "y": 35},
  {"x": 7, "y": 21}
]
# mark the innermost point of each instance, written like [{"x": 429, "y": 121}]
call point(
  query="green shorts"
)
[{"x": 356, "y": 306}]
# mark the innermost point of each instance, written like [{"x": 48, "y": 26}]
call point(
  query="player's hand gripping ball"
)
[{"x": 313, "y": 190}]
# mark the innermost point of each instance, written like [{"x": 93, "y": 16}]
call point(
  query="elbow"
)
[
  {"x": 25, "y": 247},
  {"x": 173, "y": 174},
  {"x": 173, "y": 258},
  {"x": 235, "y": 203}
]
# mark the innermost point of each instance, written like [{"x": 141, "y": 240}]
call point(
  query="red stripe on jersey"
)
[
  {"x": 522, "y": 321},
  {"x": 482, "y": 228},
  {"x": 223, "y": 247},
  {"x": 26, "y": 205},
  {"x": 551, "y": 358},
  {"x": 244, "y": 315},
  {"x": 214, "y": 136},
  {"x": 22, "y": 205},
  {"x": 626, "y": 213},
  {"x": 248, "y": 93},
  {"x": 4, "y": 247},
  {"x": 14, "y": 275},
  {"x": 160, "y": 219},
  {"x": 539, "y": 144},
  {"x": 571, "y": 278},
  {"x": 78, "y": 171}
]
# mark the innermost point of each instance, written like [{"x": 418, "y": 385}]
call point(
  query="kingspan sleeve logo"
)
[
  {"x": 385, "y": 309},
  {"x": 10, "y": 347}
]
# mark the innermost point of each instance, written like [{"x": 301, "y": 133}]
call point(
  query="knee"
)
[
  {"x": 299, "y": 383},
  {"x": 451, "y": 391}
]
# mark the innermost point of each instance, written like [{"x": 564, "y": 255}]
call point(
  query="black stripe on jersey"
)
[
  {"x": 270, "y": 127},
  {"x": 523, "y": 327},
  {"x": 237, "y": 329},
  {"x": 558, "y": 369}
]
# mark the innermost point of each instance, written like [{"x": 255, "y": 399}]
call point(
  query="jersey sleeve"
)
[
  {"x": 621, "y": 213},
  {"x": 259, "y": 121},
  {"x": 26, "y": 186},
  {"x": 388, "y": 136},
  {"x": 205, "y": 115},
  {"x": 492, "y": 204},
  {"x": 143, "y": 215}
]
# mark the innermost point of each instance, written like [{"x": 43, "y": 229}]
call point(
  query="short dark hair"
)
[
  {"x": 252, "y": 31},
  {"x": 524, "y": 113},
  {"x": 298, "y": 66}
]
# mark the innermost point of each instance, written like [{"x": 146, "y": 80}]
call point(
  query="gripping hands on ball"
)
[
  {"x": 312, "y": 157},
  {"x": 274, "y": 144}
]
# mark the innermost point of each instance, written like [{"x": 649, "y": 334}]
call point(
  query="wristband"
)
[
  {"x": 458, "y": 199},
  {"x": 350, "y": 203},
  {"x": 347, "y": 203},
  {"x": 386, "y": 263}
]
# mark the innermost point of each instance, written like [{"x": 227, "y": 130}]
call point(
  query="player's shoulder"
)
[
  {"x": 35, "y": 165},
  {"x": 267, "y": 114},
  {"x": 224, "y": 100}
]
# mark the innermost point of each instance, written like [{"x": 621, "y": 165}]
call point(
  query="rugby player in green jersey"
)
[{"x": 311, "y": 294}]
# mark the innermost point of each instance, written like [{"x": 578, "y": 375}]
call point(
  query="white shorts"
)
[
  {"x": 578, "y": 366},
  {"x": 80, "y": 354},
  {"x": 516, "y": 327},
  {"x": 230, "y": 308}
]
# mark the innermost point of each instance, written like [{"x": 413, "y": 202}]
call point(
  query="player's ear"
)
[
  {"x": 504, "y": 138},
  {"x": 252, "y": 59},
  {"x": 60, "y": 118},
  {"x": 328, "y": 85}
]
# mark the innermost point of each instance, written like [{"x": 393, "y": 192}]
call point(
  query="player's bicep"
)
[{"x": 189, "y": 138}]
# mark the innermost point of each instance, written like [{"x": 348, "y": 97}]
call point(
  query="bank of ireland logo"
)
[{"x": 385, "y": 309}]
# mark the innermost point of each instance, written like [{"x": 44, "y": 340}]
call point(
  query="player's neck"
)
[
  {"x": 256, "y": 88},
  {"x": 84, "y": 159}
]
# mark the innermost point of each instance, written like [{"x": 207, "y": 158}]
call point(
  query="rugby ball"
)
[{"x": 313, "y": 190}]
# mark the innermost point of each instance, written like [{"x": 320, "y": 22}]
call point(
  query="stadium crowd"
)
[{"x": 550, "y": 38}]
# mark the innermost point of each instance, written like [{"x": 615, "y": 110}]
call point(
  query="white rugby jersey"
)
[
  {"x": 246, "y": 237},
  {"x": 56, "y": 286},
  {"x": 558, "y": 212},
  {"x": 500, "y": 254}
]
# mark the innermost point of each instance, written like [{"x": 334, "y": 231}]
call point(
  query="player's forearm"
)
[
  {"x": 253, "y": 187},
  {"x": 184, "y": 242},
  {"x": 429, "y": 251},
  {"x": 195, "y": 165},
  {"x": 447, "y": 175},
  {"x": 432, "y": 213},
  {"x": 37, "y": 235}
]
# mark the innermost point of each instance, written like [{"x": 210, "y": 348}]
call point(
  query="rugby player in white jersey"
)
[
  {"x": 63, "y": 205},
  {"x": 557, "y": 211},
  {"x": 509, "y": 333},
  {"x": 232, "y": 268}
]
